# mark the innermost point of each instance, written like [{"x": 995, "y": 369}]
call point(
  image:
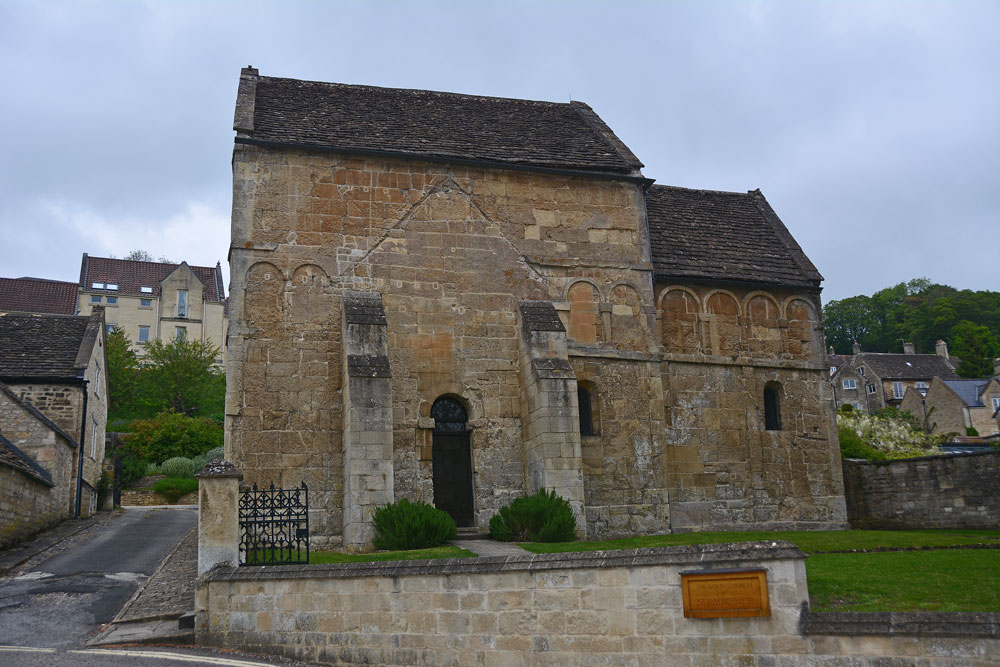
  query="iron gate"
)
[{"x": 274, "y": 526}]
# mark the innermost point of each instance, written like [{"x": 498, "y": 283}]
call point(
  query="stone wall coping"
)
[
  {"x": 219, "y": 469},
  {"x": 932, "y": 457},
  {"x": 923, "y": 623},
  {"x": 688, "y": 555}
]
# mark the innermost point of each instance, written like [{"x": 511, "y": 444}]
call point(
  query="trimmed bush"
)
[
  {"x": 152, "y": 469},
  {"x": 542, "y": 517},
  {"x": 853, "y": 447},
  {"x": 971, "y": 431},
  {"x": 177, "y": 467},
  {"x": 405, "y": 525},
  {"x": 214, "y": 454},
  {"x": 170, "y": 434},
  {"x": 173, "y": 488}
]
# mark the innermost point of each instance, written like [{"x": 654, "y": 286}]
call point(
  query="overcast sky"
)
[{"x": 873, "y": 128}]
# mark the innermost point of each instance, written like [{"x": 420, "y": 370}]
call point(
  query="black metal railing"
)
[{"x": 274, "y": 526}]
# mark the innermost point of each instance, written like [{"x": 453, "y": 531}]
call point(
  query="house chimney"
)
[
  {"x": 996, "y": 367},
  {"x": 857, "y": 347},
  {"x": 831, "y": 351},
  {"x": 908, "y": 348},
  {"x": 942, "y": 349}
]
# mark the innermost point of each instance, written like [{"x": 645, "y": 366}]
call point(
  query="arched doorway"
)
[{"x": 452, "y": 460}]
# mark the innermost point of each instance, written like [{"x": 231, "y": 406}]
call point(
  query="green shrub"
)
[
  {"x": 971, "y": 431},
  {"x": 405, "y": 525},
  {"x": 152, "y": 469},
  {"x": 170, "y": 434},
  {"x": 177, "y": 467},
  {"x": 542, "y": 517},
  {"x": 214, "y": 454},
  {"x": 198, "y": 462},
  {"x": 853, "y": 447},
  {"x": 847, "y": 407},
  {"x": 173, "y": 488}
]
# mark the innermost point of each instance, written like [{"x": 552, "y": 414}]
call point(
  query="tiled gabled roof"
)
[
  {"x": 906, "y": 366},
  {"x": 424, "y": 123},
  {"x": 45, "y": 346},
  {"x": 969, "y": 391},
  {"x": 37, "y": 295},
  {"x": 728, "y": 236},
  {"x": 131, "y": 275}
]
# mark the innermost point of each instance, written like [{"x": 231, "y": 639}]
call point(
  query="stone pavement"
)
[
  {"x": 169, "y": 592},
  {"x": 485, "y": 546}
]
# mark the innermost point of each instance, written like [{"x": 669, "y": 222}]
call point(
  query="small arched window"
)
[
  {"x": 772, "y": 406},
  {"x": 586, "y": 411},
  {"x": 449, "y": 416}
]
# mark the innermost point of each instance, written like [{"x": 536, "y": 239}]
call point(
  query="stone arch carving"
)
[
  {"x": 265, "y": 284},
  {"x": 308, "y": 296},
  {"x": 679, "y": 329},
  {"x": 627, "y": 324},
  {"x": 723, "y": 311},
  {"x": 585, "y": 324},
  {"x": 799, "y": 335},
  {"x": 762, "y": 328}
]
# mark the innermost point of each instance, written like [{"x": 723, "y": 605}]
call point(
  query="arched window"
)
[
  {"x": 586, "y": 411},
  {"x": 772, "y": 406},
  {"x": 449, "y": 416}
]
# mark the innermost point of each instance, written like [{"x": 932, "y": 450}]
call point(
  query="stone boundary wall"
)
[
  {"x": 590, "y": 608},
  {"x": 951, "y": 491},
  {"x": 136, "y": 497},
  {"x": 27, "y": 507}
]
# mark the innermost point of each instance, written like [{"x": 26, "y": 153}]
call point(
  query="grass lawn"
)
[
  {"x": 446, "y": 551},
  {"x": 842, "y": 580}
]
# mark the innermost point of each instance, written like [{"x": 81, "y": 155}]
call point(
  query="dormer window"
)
[
  {"x": 112, "y": 286},
  {"x": 861, "y": 370},
  {"x": 96, "y": 285},
  {"x": 146, "y": 290}
]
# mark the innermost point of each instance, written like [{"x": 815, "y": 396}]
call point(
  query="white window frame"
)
[
  {"x": 850, "y": 384},
  {"x": 182, "y": 303},
  {"x": 921, "y": 385},
  {"x": 861, "y": 370},
  {"x": 897, "y": 390},
  {"x": 996, "y": 404},
  {"x": 871, "y": 389},
  {"x": 96, "y": 285},
  {"x": 112, "y": 286},
  {"x": 146, "y": 290},
  {"x": 140, "y": 338}
]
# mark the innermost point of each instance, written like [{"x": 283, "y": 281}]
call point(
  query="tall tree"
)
[
  {"x": 123, "y": 369},
  {"x": 183, "y": 375},
  {"x": 976, "y": 346}
]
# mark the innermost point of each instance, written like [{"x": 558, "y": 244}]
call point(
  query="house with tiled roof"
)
[
  {"x": 156, "y": 300},
  {"x": 954, "y": 406},
  {"x": 461, "y": 299},
  {"x": 37, "y": 295},
  {"x": 55, "y": 366},
  {"x": 874, "y": 380}
]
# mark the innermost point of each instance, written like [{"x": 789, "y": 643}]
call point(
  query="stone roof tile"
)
[
  {"x": 712, "y": 235},
  {"x": 41, "y": 346},
  {"x": 424, "y": 123}
]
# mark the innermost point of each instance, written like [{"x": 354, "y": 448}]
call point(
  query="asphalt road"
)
[
  {"x": 133, "y": 657},
  {"x": 63, "y": 599}
]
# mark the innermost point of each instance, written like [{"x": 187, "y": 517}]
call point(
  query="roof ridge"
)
[
  {"x": 604, "y": 131},
  {"x": 708, "y": 190},
  {"x": 441, "y": 93}
]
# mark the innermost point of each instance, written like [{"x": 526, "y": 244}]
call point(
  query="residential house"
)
[
  {"x": 37, "y": 295},
  {"x": 952, "y": 406},
  {"x": 57, "y": 365},
  {"x": 873, "y": 380},
  {"x": 461, "y": 299},
  {"x": 156, "y": 300}
]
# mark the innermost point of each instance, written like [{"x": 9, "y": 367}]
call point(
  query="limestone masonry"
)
[{"x": 462, "y": 299}]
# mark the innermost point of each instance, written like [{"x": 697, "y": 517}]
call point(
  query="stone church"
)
[{"x": 463, "y": 299}]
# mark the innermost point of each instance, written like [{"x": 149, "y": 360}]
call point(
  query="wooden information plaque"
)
[{"x": 725, "y": 593}]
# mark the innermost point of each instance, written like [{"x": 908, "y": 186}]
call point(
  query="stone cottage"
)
[
  {"x": 57, "y": 365},
  {"x": 462, "y": 299}
]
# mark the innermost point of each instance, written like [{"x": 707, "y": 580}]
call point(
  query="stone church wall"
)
[{"x": 453, "y": 251}]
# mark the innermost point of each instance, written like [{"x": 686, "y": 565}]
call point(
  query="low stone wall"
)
[
  {"x": 590, "y": 608},
  {"x": 27, "y": 506},
  {"x": 952, "y": 491},
  {"x": 145, "y": 498}
]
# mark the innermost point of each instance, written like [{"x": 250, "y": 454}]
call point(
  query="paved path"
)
[
  {"x": 59, "y": 597},
  {"x": 489, "y": 547},
  {"x": 170, "y": 591}
]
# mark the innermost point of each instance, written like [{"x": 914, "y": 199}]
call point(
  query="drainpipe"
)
[{"x": 83, "y": 437}]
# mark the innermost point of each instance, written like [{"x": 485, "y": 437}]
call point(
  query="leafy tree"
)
[
  {"x": 169, "y": 435},
  {"x": 976, "y": 346},
  {"x": 140, "y": 255},
  {"x": 846, "y": 321},
  {"x": 183, "y": 376},
  {"x": 123, "y": 370}
]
